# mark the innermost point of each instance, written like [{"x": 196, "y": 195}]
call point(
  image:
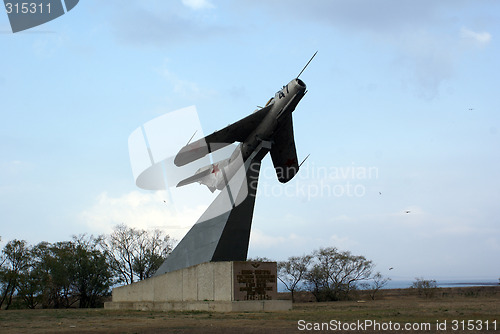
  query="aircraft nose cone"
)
[{"x": 300, "y": 83}]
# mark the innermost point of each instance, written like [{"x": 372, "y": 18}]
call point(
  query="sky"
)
[{"x": 401, "y": 121}]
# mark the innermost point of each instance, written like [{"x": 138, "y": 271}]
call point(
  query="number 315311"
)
[{"x": 27, "y": 8}]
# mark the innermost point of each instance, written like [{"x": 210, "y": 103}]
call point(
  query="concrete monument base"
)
[
  {"x": 209, "y": 306},
  {"x": 236, "y": 286}
]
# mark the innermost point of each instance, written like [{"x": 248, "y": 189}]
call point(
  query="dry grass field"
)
[{"x": 391, "y": 307}]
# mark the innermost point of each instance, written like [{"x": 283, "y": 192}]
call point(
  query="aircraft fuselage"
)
[{"x": 284, "y": 103}]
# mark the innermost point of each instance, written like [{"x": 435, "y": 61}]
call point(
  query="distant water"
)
[
  {"x": 443, "y": 283},
  {"x": 394, "y": 284}
]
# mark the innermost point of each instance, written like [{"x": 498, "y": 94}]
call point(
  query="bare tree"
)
[
  {"x": 91, "y": 276},
  {"x": 426, "y": 288},
  {"x": 120, "y": 247},
  {"x": 353, "y": 269},
  {"x": 16, "y": 255},
  {"x": 136, "y": 254},
  {"x": 293, "y": 271},
  {"x": 153, "y": 248},
  {"x": 3, "y": 259},
  {"x": 378, "y": 282},
  {"x": 335, "y": 273}
]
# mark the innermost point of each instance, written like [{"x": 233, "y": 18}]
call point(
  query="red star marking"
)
[
  {"x": 290, "y": 162},
  {"x": 216, "y": 169}
]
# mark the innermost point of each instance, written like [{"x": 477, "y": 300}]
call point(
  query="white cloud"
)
[
  {"x": 165, "y": 24},
  {"x": 185, "y": 88},
  {"x": 457, "y": 230},
  {"x": 480, "y": 38},
  {"x": 343, "y": 218},
  {"x": 140, "y": 210},
  {"x": 49, "y": 44},
  {"x": 342, "y": 243},
  {"x": 261, "y": 240},
  {"x": 197, "y": 4},
  {"x": 281, "y": 245},
  {"x": 12, "y": 167},
  {"x": 418, "y": 31},
  {"x": 493, "y": 244}
]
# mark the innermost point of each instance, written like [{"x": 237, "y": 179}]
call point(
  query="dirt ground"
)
[{"x": 457, "y": 306}]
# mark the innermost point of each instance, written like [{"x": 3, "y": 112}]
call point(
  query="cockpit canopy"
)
[{"x": 271, "y": 100}]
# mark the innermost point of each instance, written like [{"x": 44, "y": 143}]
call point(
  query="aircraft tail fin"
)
[{"x": 284, "y": 153}]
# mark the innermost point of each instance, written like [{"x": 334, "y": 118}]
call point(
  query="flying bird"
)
[{"x": 407, "y": 211}]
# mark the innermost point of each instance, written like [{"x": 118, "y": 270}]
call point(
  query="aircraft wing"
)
[
  {"x": 196, "y": 177},
  {"x": 238, "y": 131},
  {"x": 283, "y": 152}
]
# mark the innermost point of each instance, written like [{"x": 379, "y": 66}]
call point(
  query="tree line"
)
[
  {"x": 79, "y": 272},
  {"x": 330, "y": 274},
  {"x": 82, "y": 271}
]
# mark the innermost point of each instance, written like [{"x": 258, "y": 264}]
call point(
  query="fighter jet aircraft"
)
[
  {"x": 222, "y": 233},
  {"x": 272, "y": 123}
]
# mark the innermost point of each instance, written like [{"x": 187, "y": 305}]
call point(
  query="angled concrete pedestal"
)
[
  {"x": 235, "y": 286},
  {"x": 223, "y": 231}
]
